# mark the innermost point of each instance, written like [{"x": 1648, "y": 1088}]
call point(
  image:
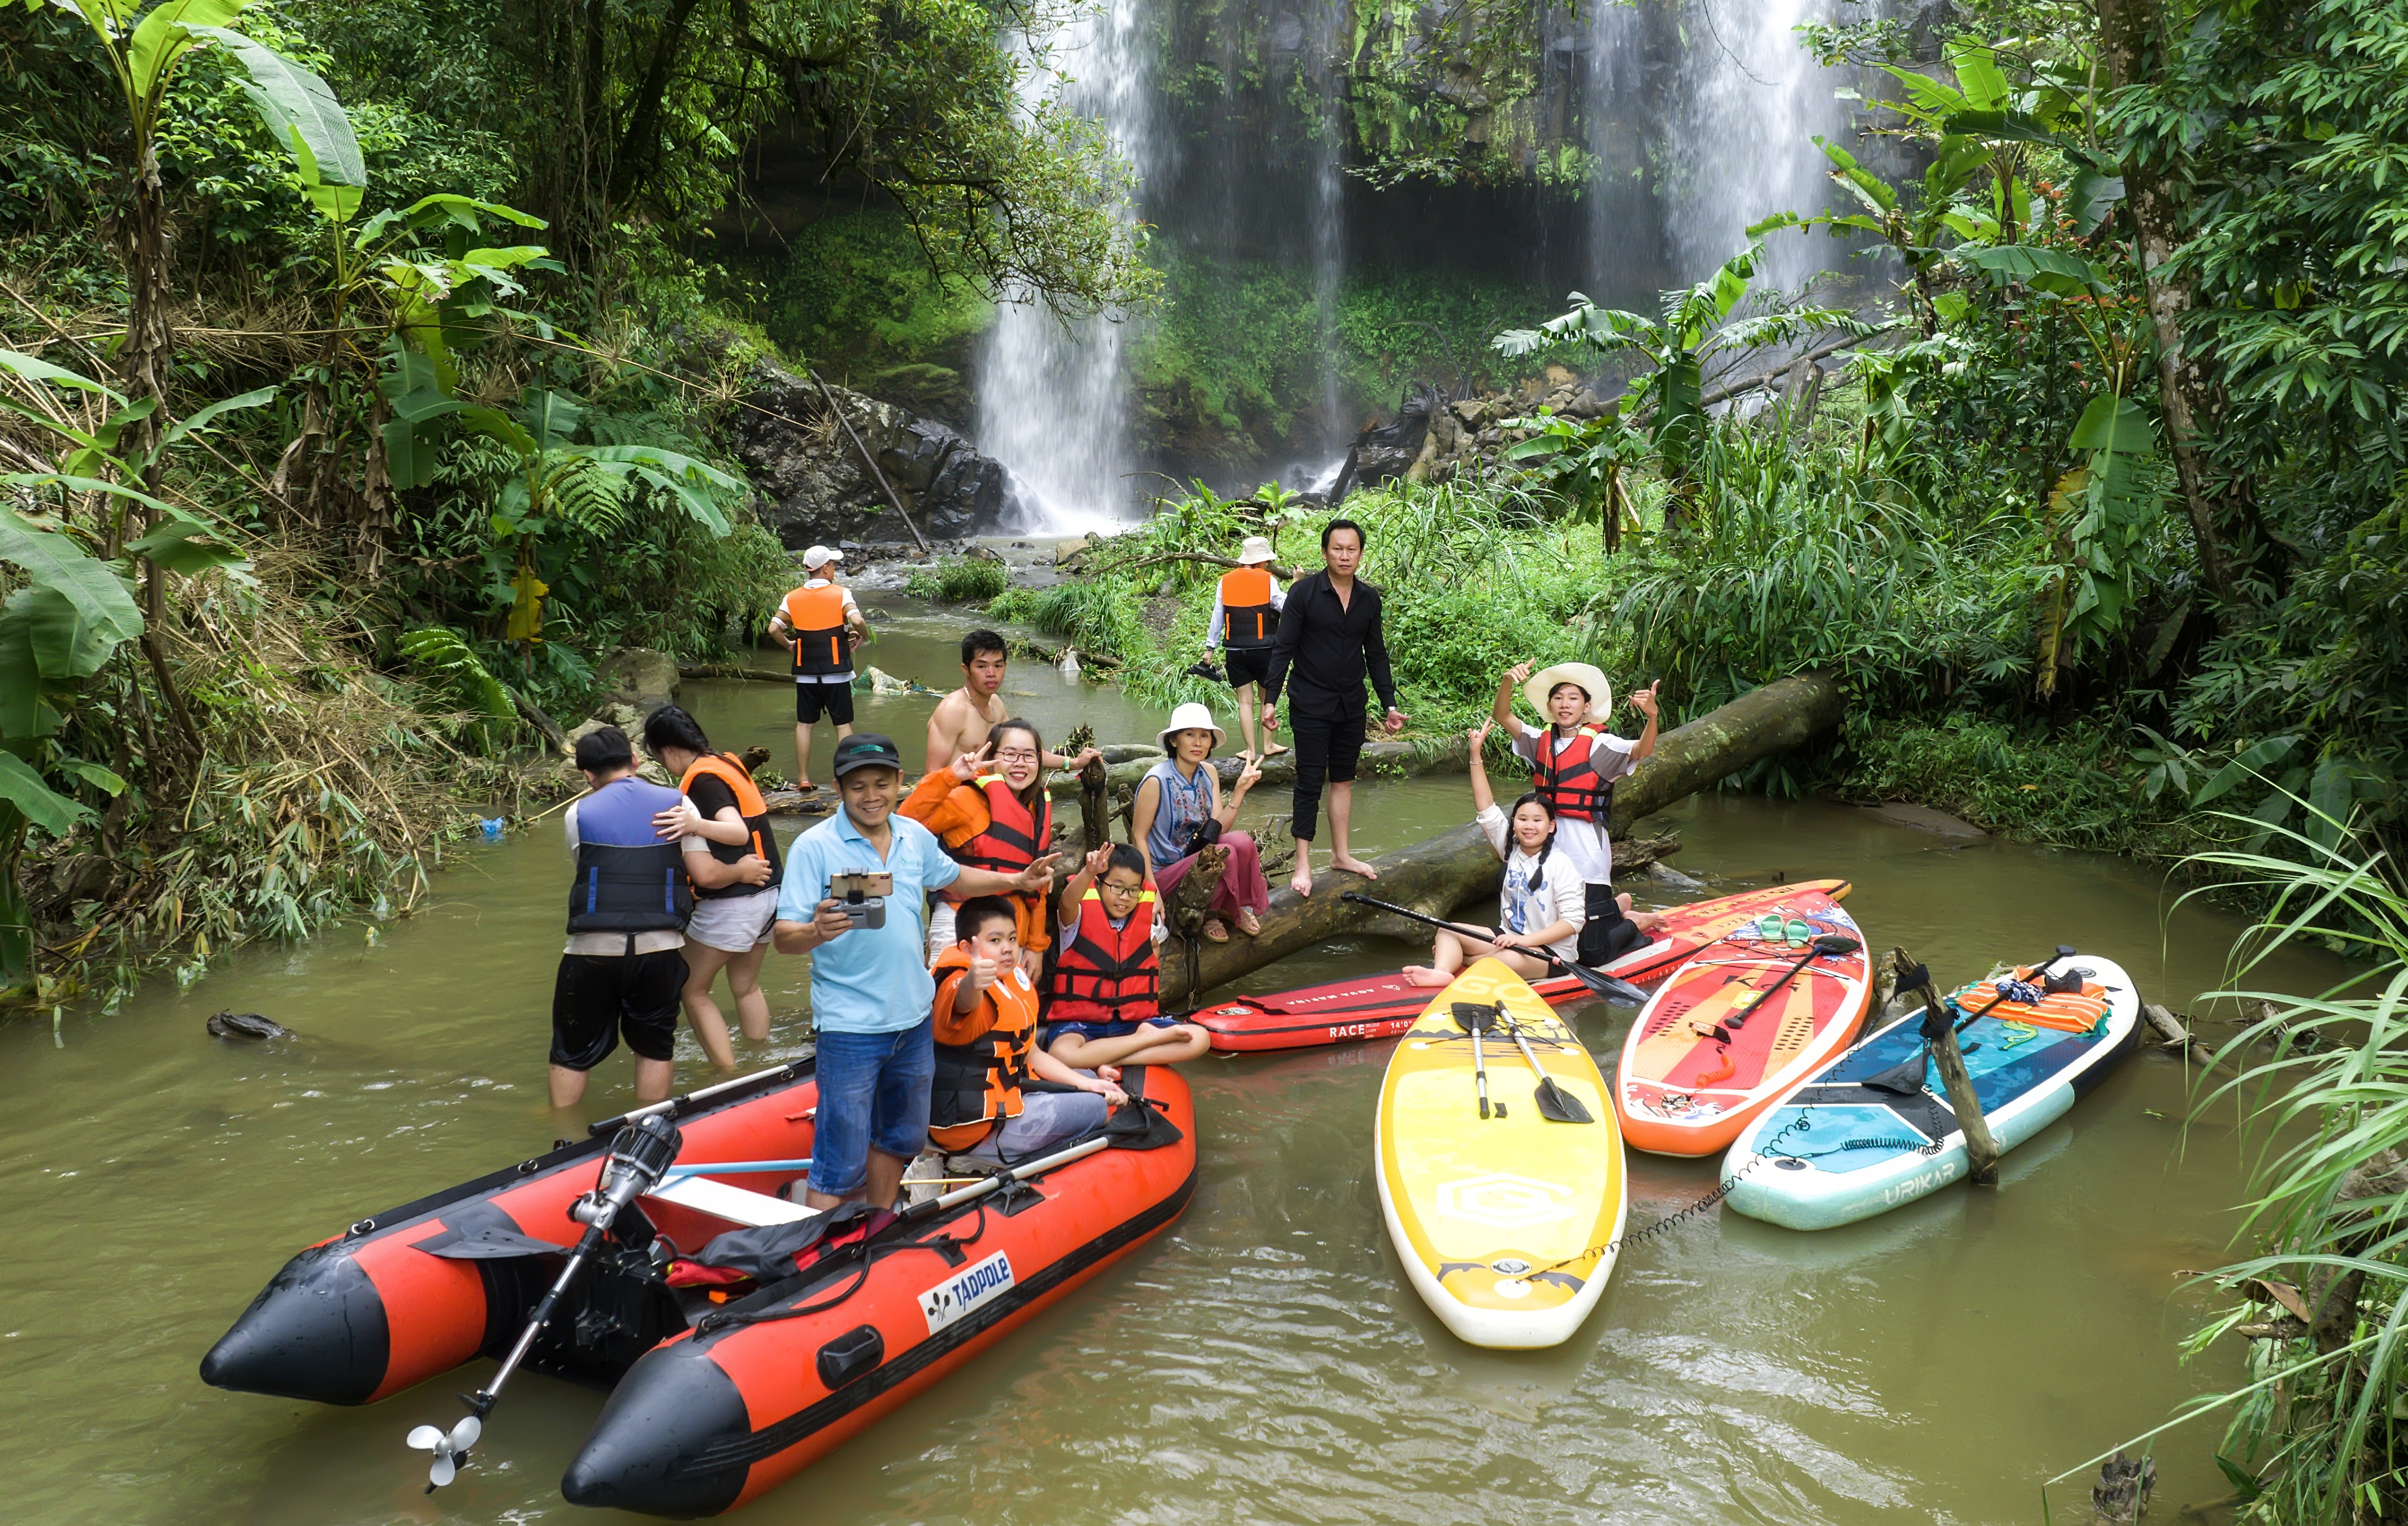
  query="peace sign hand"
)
[{"x": 965, "y": 767}]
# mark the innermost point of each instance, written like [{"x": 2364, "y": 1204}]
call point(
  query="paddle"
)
[
  {"x": 640, "y": 1155},
  {"x": 1830, "y": 945},
  {"x": 1475, "y": 1019},
  {"x": 1612, "y": 988},
  {"x": 1555, "y": 1105},
  {"x": 1907, "y": 1076}
]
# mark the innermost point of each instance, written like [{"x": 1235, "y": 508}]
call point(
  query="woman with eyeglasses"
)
[{"x": 989, "y": 810}]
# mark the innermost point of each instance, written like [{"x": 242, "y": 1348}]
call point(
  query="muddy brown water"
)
[{"x": 1262, "y": 1361}]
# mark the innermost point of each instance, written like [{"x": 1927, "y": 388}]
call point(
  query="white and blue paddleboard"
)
[{"x": 1836, "y": 1151}]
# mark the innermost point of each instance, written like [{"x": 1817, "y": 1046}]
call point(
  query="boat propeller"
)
[
  {"x": 641, "y": 1154},
  {"x": 451, "y": 1448}
]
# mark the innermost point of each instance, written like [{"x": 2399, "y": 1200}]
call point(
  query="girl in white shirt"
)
[{"x": 1542, "y": 901}]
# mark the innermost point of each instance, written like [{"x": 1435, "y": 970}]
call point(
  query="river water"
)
[{"x": 1263, "y": 1362}]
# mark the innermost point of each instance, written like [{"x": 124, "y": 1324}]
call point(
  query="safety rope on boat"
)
[{"x": 1731, "y": 1184}]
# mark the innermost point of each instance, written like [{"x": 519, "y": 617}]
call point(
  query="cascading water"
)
[
  {"x": 1052, "y": 403},
  {"x": 1326, "y": 53},
  {"x": 1748, "y": 101}
]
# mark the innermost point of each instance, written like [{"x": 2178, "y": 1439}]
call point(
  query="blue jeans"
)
[{"x": 873, "y": 1095}]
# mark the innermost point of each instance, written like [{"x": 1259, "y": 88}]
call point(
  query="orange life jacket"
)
[
  {"x": 1102, "y": 974},
  {"x": 1248, "y": 617},
  {"x": 1565, "y": 776},
  {"x": 978, "y": 1081},
  {"x": 728, "y": 771},
  {"x": 823, "y": 645}
]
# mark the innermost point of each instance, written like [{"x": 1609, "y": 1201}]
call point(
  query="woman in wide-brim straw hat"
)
[
  {"x": 1176, "y": 800},
  {"x": 1573, "y": 763},
  {"x": 1246, "y": 614}
]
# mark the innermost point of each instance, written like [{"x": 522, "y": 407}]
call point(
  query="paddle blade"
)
[
  {"x": 1612, "y": 988},
  {"x": 1557, "y": 1105},
  {"x": 1835, "y": 943},
  {"x": 1473, "y": 1017}
]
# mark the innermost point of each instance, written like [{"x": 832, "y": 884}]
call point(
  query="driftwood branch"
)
[
  {"x": 1774, "y": 377},
  {"x": 1278, "y": 569},
  {"x": 871, "y": 462}
]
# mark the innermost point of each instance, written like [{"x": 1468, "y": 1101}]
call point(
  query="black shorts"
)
[
  {"x": 833, "y": 700},
  {"x": 596, "y": 997},
  {"x": 1247, "y": 665}
]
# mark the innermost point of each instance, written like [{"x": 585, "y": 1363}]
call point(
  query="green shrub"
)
[{"x": 961, "y": 580}]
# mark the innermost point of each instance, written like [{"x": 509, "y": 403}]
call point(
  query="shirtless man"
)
[{"x": 964, "y": 717}]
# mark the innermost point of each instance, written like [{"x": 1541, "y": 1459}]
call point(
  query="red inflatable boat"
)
[
  {"x": 1383, "y": 1005},
  {"x": 720, "y": 1393}
]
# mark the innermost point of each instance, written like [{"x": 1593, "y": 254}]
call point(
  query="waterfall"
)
[
  {"x": 1748, "y": 101},
  {"x": 1327, "y": 57},
  {"x": 1053, "y": 405},
  {"x": 1625, "y": 242}
]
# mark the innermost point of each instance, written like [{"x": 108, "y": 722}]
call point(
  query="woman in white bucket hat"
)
[
  {"x": 1574, "y": 762},
  {"x": 1245, "y": 614},
  {"x": 1176, "y": 799}
]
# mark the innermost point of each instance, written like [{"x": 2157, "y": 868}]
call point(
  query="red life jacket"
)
[
  {"x": 1246, "y": 610},
  {"x": 1565, "y": 776},
  {"x": 728, "y": 770},
  {"x": 977, "y": 1083},
  {"x": 1013, "y": 838},
  {"x": 1102, "y": 974},
  {"x": 823, "y": 645}
]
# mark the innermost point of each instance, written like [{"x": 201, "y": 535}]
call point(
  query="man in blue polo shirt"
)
[{"x": 871, "y": 992}]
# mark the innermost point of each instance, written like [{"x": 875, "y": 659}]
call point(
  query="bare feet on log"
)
[
  {"x": 1273, "y": 750},
  {"x": 1422, "y": 974},
  {"x": 1353, "y": 865},
  {"x": 1301, "y": 881}
]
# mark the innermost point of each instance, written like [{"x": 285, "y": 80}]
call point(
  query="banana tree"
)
[
  {"x": 77, "y": 610},
  {"x": 1584, "y": 458},
  {"x": 1692, "y": 328}
]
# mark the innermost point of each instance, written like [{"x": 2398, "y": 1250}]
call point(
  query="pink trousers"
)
[{"x": 1241, "y": 886}]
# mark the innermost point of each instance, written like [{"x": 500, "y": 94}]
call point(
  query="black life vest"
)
[
  {"x": 725, "y": 768},
  {"x": 978, "y": 1082},
  {"x": 1248, "y": 616},
  {"x": 627, "y": 880},
  {"x": 1565, "y": 776},
  {"x": 1102, "y": 974}
]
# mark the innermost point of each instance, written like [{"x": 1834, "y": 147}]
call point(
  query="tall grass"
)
[{"x": 2317, "y": 1434}]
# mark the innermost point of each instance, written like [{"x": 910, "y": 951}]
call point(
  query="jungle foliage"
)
[{"x": 362, "y": 367}]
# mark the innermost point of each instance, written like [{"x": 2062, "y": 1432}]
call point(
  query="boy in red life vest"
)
[
  {"x": 990, "y": 810},
  {"x": 1102, "y": 997},
  {"x": 822, "y": 622},
  {"x": 1574, "y": 762},
  {"x": 985, "y": 1025}
]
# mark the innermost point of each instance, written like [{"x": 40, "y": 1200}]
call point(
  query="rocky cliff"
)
[{"x": 817, "y": 488}]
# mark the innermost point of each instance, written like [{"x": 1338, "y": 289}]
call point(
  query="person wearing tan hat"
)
[
  {"x": 1246, "y": 612},
  {"x": 1574, "y": 762},
  {"x": 822, "y": 622}
]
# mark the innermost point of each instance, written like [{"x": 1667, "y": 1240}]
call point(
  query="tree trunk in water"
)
[
  {"x": 1444, "y": 873},
  {"x": 2130, "y": 33},
  {"x": 1939, "y": 1038}
]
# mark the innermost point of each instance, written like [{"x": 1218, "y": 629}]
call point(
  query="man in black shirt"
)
[{"x": 1328, "y": 638}]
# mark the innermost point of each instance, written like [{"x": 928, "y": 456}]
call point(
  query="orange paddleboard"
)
[{"x": 1689, "y": 1081}]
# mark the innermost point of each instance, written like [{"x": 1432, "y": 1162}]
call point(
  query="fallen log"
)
[
  {"x": 1444, "y": 873},
  {"x": 1780, "y": 716}
]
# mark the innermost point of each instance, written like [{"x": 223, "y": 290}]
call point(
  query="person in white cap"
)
[
  {"x": 1574, "y": 762},
  {"x": 1246, "y": 615},
  {"x": 1176, "y": 800},
  {"x": 821, "y": 622}
]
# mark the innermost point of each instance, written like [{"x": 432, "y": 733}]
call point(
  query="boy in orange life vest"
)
[
  {"x": 986, "y": 1026},
  {"x": 822, "y": 622},
  {"x": 1246, "y": 611},
  {"x": 989, "y": 810},
  {"x": 1101, "y": 999}
]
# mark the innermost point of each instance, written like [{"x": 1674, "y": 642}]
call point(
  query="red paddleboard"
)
[
  {"x": 1689, "y": 1080},
  {"x": 1383, "y": 1005}
]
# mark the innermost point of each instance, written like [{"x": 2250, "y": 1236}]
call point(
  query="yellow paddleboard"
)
[{"x": 1503, "y": 1222}]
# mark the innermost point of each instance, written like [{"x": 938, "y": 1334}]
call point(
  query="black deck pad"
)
[{"x": 1922, "y": 1111}]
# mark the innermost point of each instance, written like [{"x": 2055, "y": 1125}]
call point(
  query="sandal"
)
[
  {"x": 1248, "y": 923},
  {"x": 1214, "y": 932}
]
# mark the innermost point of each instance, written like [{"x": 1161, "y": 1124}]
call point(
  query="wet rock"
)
[
  {"x": 1385, "y": 453},
  {"x": 820, "y": 491},
  {"x": 246, "y": 1025},
  {"x": 1924, "y": 818},
  {"x": 638, "y": 677}
]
